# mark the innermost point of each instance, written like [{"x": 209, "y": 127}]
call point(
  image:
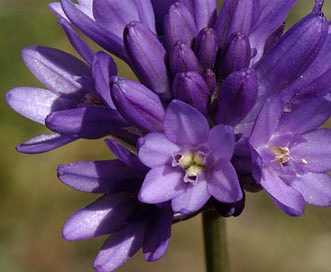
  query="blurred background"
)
[{"x": 34, "y": 205}]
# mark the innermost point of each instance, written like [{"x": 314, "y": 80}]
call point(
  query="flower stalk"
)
[{"x": 214, "y": 233}]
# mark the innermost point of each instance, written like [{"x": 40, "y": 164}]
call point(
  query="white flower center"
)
[{"x": 282, "y": 154}]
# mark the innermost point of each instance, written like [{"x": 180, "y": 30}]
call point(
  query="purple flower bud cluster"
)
[{"x": 224, "y": 102}]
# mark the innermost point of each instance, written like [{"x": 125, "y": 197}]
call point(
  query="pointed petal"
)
[
  {"x": 87, "y": 122},
  {"x": 94, "y": 31},
  {"x": 157, "y": 235},
  {"x": 35, "y": 103},
  {"x": 223, "y": 183},
  {"x": 206, "y": 47},
  {"x": 119, "y": 247},
  {"x": 315, "y": 151},
  {"x": 95, "y": 176},
  {"x": 105, "y": 215},
  {"x": 103, "y": 68},
  {"x": 204, "y": 13},
  {"x": 44, "y": 143},
  {"x": 147, "y": 56},
  {"x": 161, "y": 184},
  {"x": 155, "y": 149},
  {"x": 287, "y": 198},
  {"x": 77, "y": 42},
  {"x": 315, "y": 188},
  {"x": 184, "y": 125},
  {"x": 126, "y": 156},
  {"x": 57, "y": 70}
]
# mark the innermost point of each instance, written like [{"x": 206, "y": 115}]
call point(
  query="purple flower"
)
[
  {"x": 291, "y": 155},
  {"x": 189, "y": 162},
  {"x": 132, "y": 225}
]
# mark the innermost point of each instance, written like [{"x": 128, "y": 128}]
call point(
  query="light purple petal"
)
[
  {"x": 184, "y": 125},
  {"x": 103, "y": 69},
  {"x": 108, "y": 213},
  {"x": 204, "y": 13},
  {"x": 87, "y": 122},
  {"x": 315, "y": 188},
  {"x": 119, "y": 247},
  {"x": 94, "y": 176},
  {"x": 161, "y": 184},
  {"x": 283, "y": 193},
  {"x": 223, "y": 183},
  {"x": 114, "y": 15},
  {"x": 155, "y": 149},
  {"x": 57, "y": 70},
  {"x": 315, "y": 153},
  {"x": 35, "y": 103},
  {"x": 221, "y": 141},
  {"x": 192, "y": 199},
  {"x": 44, "y": 143},
  {"x": 157, "y": 235},
  {"x": 126, "y": 156}
]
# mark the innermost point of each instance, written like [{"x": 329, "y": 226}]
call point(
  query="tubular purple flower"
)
[
  {"x": 147, "y": 56},
  {"x": 236, "y": 97},
  {"x": 139, "y": 105},
  {"x": 191, "y": 88},
  {"x": 179, "y": 25},
  {"x": 206, "y": 47},
  {"x": 182, "y": 59},
  {"x": 235, "y": 56}
]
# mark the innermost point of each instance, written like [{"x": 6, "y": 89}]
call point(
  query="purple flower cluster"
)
[{"x": 225, "y": 101}]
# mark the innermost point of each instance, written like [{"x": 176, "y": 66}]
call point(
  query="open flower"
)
[
  {"x": 189, "y": 162},
  {"x": 131, "y": 224},
  {"x": 291, "y": 155}
]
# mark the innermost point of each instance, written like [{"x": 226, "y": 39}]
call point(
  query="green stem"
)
[{"x": 216, "y": 254}]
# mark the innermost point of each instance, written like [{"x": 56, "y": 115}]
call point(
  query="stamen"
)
[{"x": 282, "y": 154}]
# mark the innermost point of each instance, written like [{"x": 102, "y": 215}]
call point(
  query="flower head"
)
[{"x": 189, "y": 162}]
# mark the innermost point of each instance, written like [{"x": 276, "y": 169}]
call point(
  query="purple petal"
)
[
  {"x": 107, "y": 214},
  {"x": 221, "y": 142},
  {"x": 35, "y": 103},
  {"x": 114, "y": 15},
  {"x": 275, "y": 71},
  {"x": 103, "y": 69},
  {"x": 155, "y": 149},
  {"x": 315, "y": 151},
  {"x": 266, "y": 122},
  {"x": 161, "y": 184},
  {"x": 204, "y": 13},
  {"x": 147, "y": 56},
  {"x": 57, "y": 70},
  {"x": 235, "y": 16},
  {"x": 77, "y": 42},
  {"x": 206, "y": 47},
  {"x": 126, "y": 156},
  {"x": 302, "y": 115},
  {"x": 191, "y": 88},
  {"x": 192, "y": 199},
  {"x": 223, "y": 183},
  {"x": 95, "y": 176},
  {"x": 315, "y": 188},
  {"x": 269, "y": 16},
  {"x": 290, "y": 200},
  {"x": 120, "y": 247},
  {"x": 179, "y": 25},
  {"x": 87, "y": 122},
  {"x": 157, "y": 235},
  {"x": 44, "y": 143},
  {"x": 138, "y": 104},
  {"x": 86, "y": 24},
  {"x": 184, "y": 125}
]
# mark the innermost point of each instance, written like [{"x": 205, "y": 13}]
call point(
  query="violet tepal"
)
[{"x": 223, "y": 102}]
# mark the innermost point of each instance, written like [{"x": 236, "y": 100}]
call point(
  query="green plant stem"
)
[{"x": 216, "y": 255}]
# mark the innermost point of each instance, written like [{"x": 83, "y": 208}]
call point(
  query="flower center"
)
[
  {"x": 92, "y": 99},
  {"x": 282, "y": 154},
  {"x": 192, "y": 162}
]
